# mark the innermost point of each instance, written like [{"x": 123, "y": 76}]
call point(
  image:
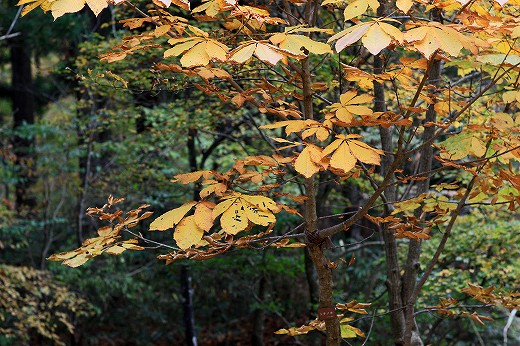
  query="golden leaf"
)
[
  {"x": 204, "y": 216},
  {"x": 404, "y": 5},
  {"x": 234, "y": 220},
  {"x": 306, "y": 163},
  {"x": 187, "y": 233},
  {"x": 343, "y": 158},
  {"x": 76, "y": 261},
  {"x": 60, "y": 7},
  {"x": 171, "y": 218},
  {"x": 97, "y": 6}
]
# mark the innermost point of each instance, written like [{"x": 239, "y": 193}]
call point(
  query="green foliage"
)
[{"x": 33, "y": 305}]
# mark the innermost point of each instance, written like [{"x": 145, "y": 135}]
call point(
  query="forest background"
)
[{"x": 75, "y": 130}]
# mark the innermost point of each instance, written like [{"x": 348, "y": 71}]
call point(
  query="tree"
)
[{"x": 441, "y": 136}]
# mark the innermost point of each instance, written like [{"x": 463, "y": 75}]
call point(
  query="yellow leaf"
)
[
  {"x": 298, "y": 44},
  {"x": 428, "y": 38},
  {"x": 365, "y": 153},
  {"x": 62, "y": 256},
  {"x": 346, "y": 332},
  {"x": 104, "y": 231},
  {"x": 97, "y": 5},
  {"x": 60, "y": 7},
  {"x": 216, "y": 50},
  {"x": 204, "y": 216},
  {"x": 267, "y": 54},
  {"x": 30, "y": 7},
  {"x": 187, "y": 233},
  {"x": 257, "y": 216},
  {"x": 160, "y": 30},
  {"x": 478, "y": 148},
  {"x": 343, "y": 159},
  {"x": 196, "y": 56},
  {"x": 375, "y": 35},
  {"x": 180, "y": 46},
  {"x": 360, "y": 110},
  {"x": 404, "y": 5},
  {"x": 171, "y": 218},
  {"x": 282, "y": 331},
  {"x": 262, "y": 202},
  {"x": 115, "y": 250},
  {"x": 187, "y": 178},
  {"x": 224, "y": 205},
  {"x": 322, "y": 134},
  {"x": 348, "y": 36},
  {"x": 242, "y": 53},
  {"x": 355, "y": 9},
  {"x": 76, "y": 261},
  {"x": 214, "y": 187},
  {"x": 305, "y": 164},
  {"x": 332, "y": 147},
  {"x": 233, "y": 220},
  {"x": 376, "y": 39}
]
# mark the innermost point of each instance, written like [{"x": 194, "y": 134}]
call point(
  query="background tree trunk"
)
[{"x": 23, "y": 106}]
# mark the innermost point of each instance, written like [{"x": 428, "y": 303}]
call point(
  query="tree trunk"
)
[
  {"x": 22, "y": 97},
  {"x": 314, "y": 338},
  {"x": 187, "y": 306},
  {"x": 257, "y": 337},
  {"x": 412, "y": 336}
]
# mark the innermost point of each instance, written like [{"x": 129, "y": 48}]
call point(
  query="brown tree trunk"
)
[
  {"x": 412, "y": 336},
  {"x": 393, "y": 282}
]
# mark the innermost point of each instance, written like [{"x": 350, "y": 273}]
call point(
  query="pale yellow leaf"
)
[
  {"x": 478, "y": 148},
  {"x": 349, "y": 36},
  {"x": 267, "y": 54},
  {"x": 28, "y": 8},
  {"x": 332, "y": 147},
  {"x": 223, "y": 206},
  {"x": 180, "y": 47},
  {"x": 160, "y": 30},
  {"x": 344, "y": 115},
  {"x": 76, "y": 261},
  {"x": 187, "y": 233},
  {"x": 262, "y": 202},
  {"x": 365, "y": 153},
  {"x": 347, "y": 97},
  {"x": 376, "y": 39},
  {"x": 355, "y": 9},
  {"x": 343, "y": 159},
  {"x": 97, "y": 5},
  {"x": 204, "y": 216},
  {"x": 216, "y": 50},
  {"x": 234, "y": 220},
  {"x": 62, "y": 256},
  {"x": 322, "y": 134},
  {"x": 360, "y": 110},
  {"x": 196, "y": 56},
  {"x": 297, "y": 44},
  {"x": 171, "y": 218},
  {"x": 187, "y": 178},
  {"x": 60, "y": 7},
  {"x": 242, "y": 53},
  {"x": 115, "y": 250},
  {"x": 257, "y": 216},
  {"x": 404, "y": 5},
  {"x": 305, "y": 164}
]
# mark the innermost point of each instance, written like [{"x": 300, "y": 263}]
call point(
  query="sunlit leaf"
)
[{"x": 171, "y": 218}]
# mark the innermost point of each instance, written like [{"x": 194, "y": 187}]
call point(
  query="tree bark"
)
[
  {"x": 187, "y": 306},
  {"x": 186, "y": 278}
]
